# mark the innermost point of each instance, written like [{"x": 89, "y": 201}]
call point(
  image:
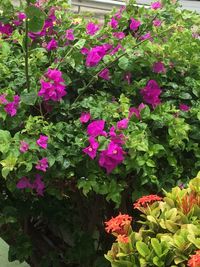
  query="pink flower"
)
[
  {"x": 156, "y": 5},
  {"x": 3, "y": 99},
  {"x": 39, "y": 185},
  {"x": 11, "y": 108},
  {"x": 116, "y": 49},
  {"x": 159, "y": 67},
  {"x": 96, "y": 128},
  {"x": 113, "y": 23},
  {"x": 42, "y": 141},
  {"x": 23, "y": 183},
  {"x": 119, "y": 35},
  {"x": 136, "y": 111},
  {"x": 123, "y": 124},
  {"x": 146, "y": 36},
  {"x": 6, "y": 29},
  {"x": 21, "y": 16},
  {"x": 91, "y": 150},
  {"x": 23, "y": 146},
  {"x": 157, "y": 23},
  {"x": 127, "y": 77},
  {"x": 84, "y": 51},
  {"x": 135, "y": 24},
  {"x": 92, "y": 28},
  {"x": 104, "y": 74},
  {"x": 85, "y": 117},
  {"x": 54, "y": 87},
  {"x": 95, "y": 55},
  {"x": 151, "y": 93},
  {"x": 184, "y": 107},
  {"x": 52, "y": 45},
  {"x": 70, "y": 35},
  {"x": 42, "y": 165},
  {"x": 111, "y": 157}
]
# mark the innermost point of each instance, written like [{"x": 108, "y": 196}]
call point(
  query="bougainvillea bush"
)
[
  {"x": 170, "y": 231},
  {"x": 93, "y": 115}
]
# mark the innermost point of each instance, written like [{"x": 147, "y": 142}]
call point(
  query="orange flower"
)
[
  {"x": 119, "y": 225},
  {"x": 123, "y": 239},
  {"x": 195, "y": 260},
  {"x": 145, "y": 200}
]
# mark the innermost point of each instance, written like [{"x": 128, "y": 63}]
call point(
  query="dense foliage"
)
[
  {"x": 170, "y": 232},
  {"x": 93, "y": 115}
]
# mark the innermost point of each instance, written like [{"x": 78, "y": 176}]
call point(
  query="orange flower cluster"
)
[
  {"x": 189, "y": 201},
  {"x": 119, "y": 225},
  {"x": 145, "y": 200},
  {"x": 123, "y": 238},
  {"x": 195, "y": 260}
]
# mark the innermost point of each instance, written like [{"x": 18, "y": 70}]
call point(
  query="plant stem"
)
[
  {"x": 27, "y": 54},
  {"x": 116, "y": 59}
]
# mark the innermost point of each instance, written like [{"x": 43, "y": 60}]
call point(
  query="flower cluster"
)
[
  {"x": 194, "y": 260},
  {"x": 6, "y": 29},
  {"x": 113, "y": 155},
  {"x": 151, "y": 93},
  {"x": 53, "y": 87},
  {"x": 92, "y": 28},
  {"x": 95, "y": 55},
  {"x": 38, "y": 185},
  {"x": 144, "y": 201},
  {"x": 10, "y": 107},
  {"x": 119, "y": 225}
]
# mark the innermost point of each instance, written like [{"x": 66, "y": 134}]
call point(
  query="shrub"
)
[
  {"x": 170, "y": 231},
  {"x": 92, "y": 117}
]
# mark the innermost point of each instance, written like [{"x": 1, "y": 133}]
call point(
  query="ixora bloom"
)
[
  {"x": 119, "y": 225},
  {"x": 96, "y": 128},
  {"x": 92, "y": 28},
  {"x": 123, "y": 124},
  {"x": 70, "y": 35},
  {"x": 113, "y": 23},
  {"x": 91, "y": 150},
  {"x": 42, "y": 165},
  {"x": 104, "y": 74},
  {"x": 159, "y": 67},
  {"x": 184, "y": 107},
  {"x": 11, "y": 107},
  {"x": 23, "y": 146},
  {"x": 145, "y": 201},
  {"x": 54, "y": 88},
  {"x": 151, "y": 93},
  {"x": 52, "y": 45},
  {"x": 194, "y": 260},
  {"x": 42, "y": 141},
  {"x": 123, "y": 238},
  {"x": 156, "y": 5},
  {"x": 95, "y": 55},
  {"x": 135, "y": 24},
  {"x": 111, "y": 157},
  {"x": 85, "y": 117}
]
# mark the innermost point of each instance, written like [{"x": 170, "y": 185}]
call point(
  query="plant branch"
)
[
  {"x": 116, "y": 59},
  {"x": 27, "y": 54}
]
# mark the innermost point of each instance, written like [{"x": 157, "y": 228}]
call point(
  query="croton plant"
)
[
  {"x": 93, "y": 115},
  {"x": 170, "y": 231}
]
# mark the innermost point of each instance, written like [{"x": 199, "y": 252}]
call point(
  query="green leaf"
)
[
  {"x": 80, "y": 43},
  {"x": 142, "y": 248},
  {"x": 123, "y": 63},
  {"x": 5, "y": 139},
  {"x": 36, "y": 18},
  {"x": 156, "y": 246},
  {"x": 29, "y": 98}
]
